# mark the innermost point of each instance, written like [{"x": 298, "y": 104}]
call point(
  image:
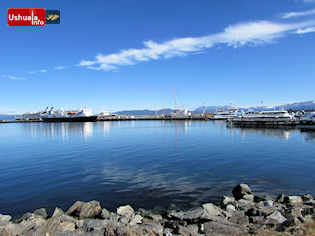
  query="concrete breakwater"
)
[{"x": 244, "y": 213}]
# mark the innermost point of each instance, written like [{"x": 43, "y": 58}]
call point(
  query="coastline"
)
[{"x": 243, "y": 213}]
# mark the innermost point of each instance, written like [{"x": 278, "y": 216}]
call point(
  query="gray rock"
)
[
  {"x": 293, "y": 200},
  {"x": 114, "y": 217},
  {"x": 58, "y": 212},
  {"x": 92, "y": 225},
  {"x": 227, "y": 200},
  {"x": 239, "y": 218},
  {"x": 167, "y": 232},
  {"x": 243, "y": 204},
  {"x": 85, "y": 209},
  {"x": 137, "y": 219},
  {"x": 257, "y": 220},
  {"x": 41, "y": 212},
  {"x": 155, "y": 217},
  {"x": 191, "y": 215},
  {"x": 57, "y": 224},
  {"x": 277, "y": 216},
  {"x": 138, "y": 230},
  {"x": 241, "y": 190},
  {"x": 258, "y": 199},
  {"x": 27, "y": 225},
  {"x": 230, "y": 208},
  {"x": 212, "y": 210},
  {"x": 281, "y": 198},
  {"x": 4, "y": 219},
  {"x": 124, "y": 220},
  {"x": 268, "y": 203},
  {"x": 150, "y": 215},
  {"x": 307, "y": 197},
  {"x": 220, "y": 229},
  {"x": 69, "y": 233},
  {"x": 105, "y": 214},
  {"x": 190, "y": 230},
  {"x": 248, "y": 197},
  {"x": 125, "y": 211},
  {"x": 24, "y": 217},
  {"x": 255, "y": 212}
]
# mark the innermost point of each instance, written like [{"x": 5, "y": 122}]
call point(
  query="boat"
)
[
  {"x": 308, "y": 118},
  {"x": 83, "y": 115},
  {"x": 179, "y": 115},
  {"x": 226, "y": 115},
  {"x": 268, "y": 115}
]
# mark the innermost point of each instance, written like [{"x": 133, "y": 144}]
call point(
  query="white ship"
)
[
  {"x": 82, "y": 115},
  {"x": 225, "y": 115},
  {"x": 268, "y": 115}
]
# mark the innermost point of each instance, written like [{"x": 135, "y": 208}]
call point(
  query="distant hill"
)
[
  {"x": 208, "y": 109},
  {"x": 7, "y": 117},
  {"x": 145, "y": 112},
  {"x": 308, "y": 105}
]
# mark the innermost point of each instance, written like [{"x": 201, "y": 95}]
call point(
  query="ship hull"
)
[{"x": 71, "y": 119}]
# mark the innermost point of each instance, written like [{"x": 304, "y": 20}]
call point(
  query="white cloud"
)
[
  {"x": 38, "y": 71},
  {"x": 309, "y": 1},
  {"x": 253, "y": 33},
  {"x": 12, "y": 77},
  {"x": 60, "y": 67},
  {"x": 306, "y": 30},
  {"x": 298, "y": 14}
]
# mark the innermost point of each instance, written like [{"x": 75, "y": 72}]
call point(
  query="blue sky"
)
[{"x": 131, "y": 54}]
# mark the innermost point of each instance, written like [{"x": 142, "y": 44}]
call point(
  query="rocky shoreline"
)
[{"x": 243, "y": 214}]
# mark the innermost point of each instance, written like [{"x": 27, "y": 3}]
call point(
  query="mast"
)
[{"x": 175, "y": 99}]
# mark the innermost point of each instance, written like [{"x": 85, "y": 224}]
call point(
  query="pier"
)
[
  {"x": 267, "y": 122},
  {"x": 122, "y": 118}
]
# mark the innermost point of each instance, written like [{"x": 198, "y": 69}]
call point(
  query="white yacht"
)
[
  {"x": 268, "y": 114},
  {"x": 225, "y": 115}
]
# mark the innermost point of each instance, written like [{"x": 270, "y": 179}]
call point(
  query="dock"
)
[
  {"x": 120, "y": 118},
  {"x": 306, "y": 127},
  {"x": 261, "y": 123}
]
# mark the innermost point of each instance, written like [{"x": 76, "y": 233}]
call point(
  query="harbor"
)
[{"x": 233, "y": 117}]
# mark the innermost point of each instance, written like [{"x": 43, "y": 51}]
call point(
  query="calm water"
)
[{"x": 147, "y": 163}]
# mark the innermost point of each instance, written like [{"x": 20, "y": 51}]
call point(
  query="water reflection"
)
[
  {"x": 309, "y": 136},
  {"x": 284, "y": 134},
  {"x": 136, "y": 161},
  {"x": 66, "y": 130}
]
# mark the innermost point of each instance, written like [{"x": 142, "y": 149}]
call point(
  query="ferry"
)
[
  {"x": 82, "y": 115},
  {"x": 225, "y": 115},
  {"x": 268, "y": 115}
]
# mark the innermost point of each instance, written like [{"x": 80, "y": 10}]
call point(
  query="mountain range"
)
[
  {"x": 7, "y": 117},
  {"x": 307, "y": 105}
]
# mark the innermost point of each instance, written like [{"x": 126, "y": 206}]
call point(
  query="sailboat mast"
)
[{"x": 175, "y": 99}]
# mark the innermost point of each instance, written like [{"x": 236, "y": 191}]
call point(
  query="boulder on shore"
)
[
  {"x": 85, "y": 209},
  {"x": 242, "y": 214},
  {"x": 241, "y": 191}
]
